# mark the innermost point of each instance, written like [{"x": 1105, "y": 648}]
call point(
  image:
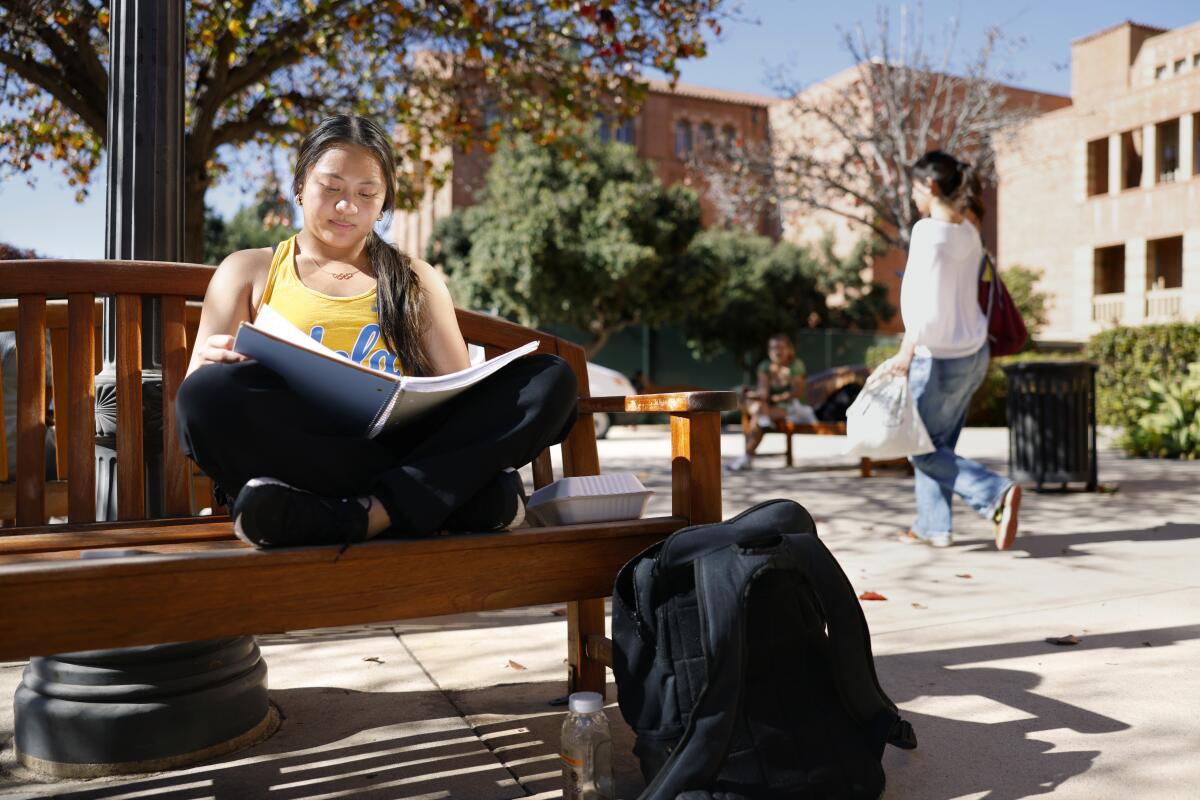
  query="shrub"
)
[
  {"x": 1130, "y": 357},
  {"x": 1169, "y": 426}
]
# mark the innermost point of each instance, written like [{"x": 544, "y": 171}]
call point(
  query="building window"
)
[
  {"x": 1109, "y": 273},
  {"x": 1196, "y": 61},
  {"x": 1131, "y": 159},
  {"x": 1179, "y": 65},
  {"x": 1195, "y": 145},
  {"x": 728, "y": 136},
  {"x": 603, "y": 130},
  {"x": 707, "y": 136},
  {"x": 1164, "y": 263},
  {"x": 683, "y": 139},
  {"x": 1097, "y": 167},
  {"x": 624, "y": 132},
  {"x": 1167, "y": 155},
  {"x": 1160, "y": 72}
]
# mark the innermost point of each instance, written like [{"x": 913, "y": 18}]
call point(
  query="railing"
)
[
  {"x": 1163, "y": 304},
  {"x": 1108, "y": 308}
]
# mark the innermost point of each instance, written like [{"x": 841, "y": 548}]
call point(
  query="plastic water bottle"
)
[{"x": 587, "y": 750}]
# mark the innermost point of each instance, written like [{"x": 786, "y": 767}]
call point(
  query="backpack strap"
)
[
  {"x": 987, "y": 274},
  {"x": 700, "y": 752},
  {"x": 850, "y": 643}
]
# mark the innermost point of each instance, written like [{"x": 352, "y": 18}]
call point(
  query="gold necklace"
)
[{"x": 337, "y": 276}]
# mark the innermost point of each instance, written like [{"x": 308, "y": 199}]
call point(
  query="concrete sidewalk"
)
[{"x": 461, "y": 707}]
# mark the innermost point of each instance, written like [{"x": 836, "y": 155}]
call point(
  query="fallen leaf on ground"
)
[
  {"x": 871, "y": 596},
  {"x": 919, "y": 605},
  {"x": 376, "y": 659},
  {"x": 515, "y": 665},
  {"x": 1108, "y": 488},
  {"x": 964, "y": 575},
  {"x": 1069, "y": 639}
]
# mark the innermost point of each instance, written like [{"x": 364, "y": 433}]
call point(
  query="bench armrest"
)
[{"x": 671, "y": 402}]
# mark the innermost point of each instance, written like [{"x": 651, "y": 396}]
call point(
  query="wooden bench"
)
[{"x": 197, "y": 581}]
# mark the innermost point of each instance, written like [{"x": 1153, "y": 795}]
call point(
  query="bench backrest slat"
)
[
  {"x": 579, "y": 448},
  {"x": 31, "y": 410},
  {"x": 176, "y": 467},
  {"x": 78, "y": 407},
  {"x": 131, "y": 493}
]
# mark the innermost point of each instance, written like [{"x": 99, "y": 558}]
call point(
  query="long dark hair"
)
[
  {"x": 957, "y": 181},
  {"x": 402, "y": 321}
]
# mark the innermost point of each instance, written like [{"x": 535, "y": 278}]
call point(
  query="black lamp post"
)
[
  {"x": 107, "y": 712},
  {"x": 144, "y": 212}
]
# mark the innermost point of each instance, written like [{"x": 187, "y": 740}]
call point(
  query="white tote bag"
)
[{"x": 883, "y": 422}]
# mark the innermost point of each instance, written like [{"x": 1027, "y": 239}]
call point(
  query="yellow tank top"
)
[{"x": 347, "y": 325}]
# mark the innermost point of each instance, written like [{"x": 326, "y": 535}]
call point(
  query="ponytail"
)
[
  {"x": 401, "y": 305},
  {"x": 969, "y": 196}
]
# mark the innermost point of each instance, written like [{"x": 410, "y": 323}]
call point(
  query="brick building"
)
[
  {"x": 671, "y": 124},
  {"x": 1104, "y": 196}
]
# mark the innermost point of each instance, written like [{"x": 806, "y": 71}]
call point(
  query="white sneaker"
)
[{"x": 742, "y": 462}]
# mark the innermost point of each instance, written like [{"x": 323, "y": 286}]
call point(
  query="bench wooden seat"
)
[
  {"x": 195, "y": 580},
  {"x": 866, "y": 466}
]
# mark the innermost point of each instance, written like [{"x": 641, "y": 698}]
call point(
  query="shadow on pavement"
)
[
  {"x": 1072, "y": 544},
  {"x": 996, "y": 755}
]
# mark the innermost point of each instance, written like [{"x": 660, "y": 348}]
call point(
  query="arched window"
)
[
  {"x": 707, "y": 136},
  {"x": 683, "y": 138}
]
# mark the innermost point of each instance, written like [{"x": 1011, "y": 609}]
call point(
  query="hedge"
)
[{"x": 1130, "y": 357}]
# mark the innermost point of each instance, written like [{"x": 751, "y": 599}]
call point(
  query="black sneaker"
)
[
  {"x": 499, "y": 505},
  {"x": 271, "y": 513}
]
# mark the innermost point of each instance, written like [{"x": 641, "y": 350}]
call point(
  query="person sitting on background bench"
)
[
  {"x": 297, "y": 475},
  {"x": 778, "y": 398}
]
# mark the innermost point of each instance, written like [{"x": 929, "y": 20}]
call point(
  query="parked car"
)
[{"x": 605, "y": 382}]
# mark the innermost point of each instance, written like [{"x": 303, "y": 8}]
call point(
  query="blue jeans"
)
[{"x": 942, "y": 388}]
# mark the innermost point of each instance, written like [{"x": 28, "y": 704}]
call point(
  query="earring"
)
[
  {"x": 299, "y": 200},
  {"x": 380, "y": 216}
]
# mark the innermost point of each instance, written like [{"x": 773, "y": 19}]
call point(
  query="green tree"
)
[
  {"x": 770, "y": 288},
  {"x": 590, "y": 239},
  {"x": 264, "y": 71},
  {"x": 244, "y": 230},
  {"x": 1022, "y": 285}
]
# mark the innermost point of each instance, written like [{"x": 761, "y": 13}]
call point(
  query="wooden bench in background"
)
[
  {"x": 197, "y": 581},
  {"x": 819, "y": 387}
]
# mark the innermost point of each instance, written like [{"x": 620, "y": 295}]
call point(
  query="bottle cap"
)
[{"x": 585, "y": 703}]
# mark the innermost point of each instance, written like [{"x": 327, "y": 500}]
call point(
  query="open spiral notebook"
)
[{"x": 365, "y": 398}]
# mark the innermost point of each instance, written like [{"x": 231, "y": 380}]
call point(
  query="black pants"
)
[{"x": 241, "y": 421}]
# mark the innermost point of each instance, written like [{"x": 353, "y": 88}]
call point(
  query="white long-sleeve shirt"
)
[{"x": 939, "y": 296}]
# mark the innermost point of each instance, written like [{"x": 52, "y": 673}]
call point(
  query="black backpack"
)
[{"x": 743, "y": 664}]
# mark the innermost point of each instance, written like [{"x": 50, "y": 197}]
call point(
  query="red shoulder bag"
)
[{"x": 1006, "y": 328}]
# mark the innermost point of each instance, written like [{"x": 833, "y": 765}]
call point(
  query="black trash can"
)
[{"x": 1052, "y": 423}]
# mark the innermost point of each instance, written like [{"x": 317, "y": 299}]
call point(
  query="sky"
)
[{"x": 800, "y": 39}]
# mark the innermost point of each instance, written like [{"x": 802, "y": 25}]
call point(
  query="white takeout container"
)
[{"x": 589, "y": 498}]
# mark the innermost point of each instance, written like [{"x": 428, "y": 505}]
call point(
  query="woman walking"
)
[{"x": 945, "y": 352}]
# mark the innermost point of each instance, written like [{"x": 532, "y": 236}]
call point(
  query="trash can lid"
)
[{"x": 1056, "y": 367}]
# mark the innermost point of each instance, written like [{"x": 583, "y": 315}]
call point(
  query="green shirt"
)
[{"x": 796, "y": 370}]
